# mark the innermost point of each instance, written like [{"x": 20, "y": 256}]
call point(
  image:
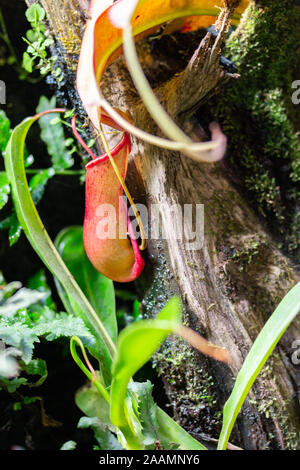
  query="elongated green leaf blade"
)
[
  {"x": 97, "y": 288},
  {"x": 136, "y": 345},
  {"x": 42, "y": 244},
  {"x": 170, "y": 432},
  {"x": 262, "y": 348}
]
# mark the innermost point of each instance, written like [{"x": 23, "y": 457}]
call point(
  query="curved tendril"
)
[
  {"x": 80, "y": 139},
  {"x": 49, "y": 111},
  {"x": 153, "y": 139},
  {"x": 89, "y": 371},
  {"x": 180, "y": 141},
  {"x": 160, "y": 116}
]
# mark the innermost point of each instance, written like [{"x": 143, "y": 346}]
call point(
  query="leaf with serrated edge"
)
[
  {"x": 147, "y": 411},
  {"x": 53, "y": 136},
  {"x": 105, "y": 439},
  {"x": 23, "y": 298}
]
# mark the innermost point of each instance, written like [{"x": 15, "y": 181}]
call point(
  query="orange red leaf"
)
[{"x": 102, "y": 40}]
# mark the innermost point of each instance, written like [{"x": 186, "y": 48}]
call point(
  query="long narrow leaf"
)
[
  {"x": 136, "y": 345},
  {"x": 262, "y": 348},
  {"x": 169, "y": 431},
  {"x": 42, "y": 244}
]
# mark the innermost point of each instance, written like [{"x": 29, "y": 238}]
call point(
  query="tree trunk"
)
[{"x": 231, "y": 285}]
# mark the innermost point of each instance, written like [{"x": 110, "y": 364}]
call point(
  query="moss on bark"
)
[{"x": 259, "y": 118}]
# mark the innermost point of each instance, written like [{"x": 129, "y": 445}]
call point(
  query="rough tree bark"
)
[{"x": 230, "y": 286}]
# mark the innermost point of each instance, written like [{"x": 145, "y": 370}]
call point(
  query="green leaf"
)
[
  {"x": 4, "y": 189},
  {"x": 55, "y": 120},
  {"x": 53, "y": 135},
  {"x": 98, "y": 289},
  {"x": 64, "y": 325},
  {"x": 8, "y": 290},
  {"x": 147, "y": 411},
  {"x": 48, "y": 42},
  {"x": 157, "y": 426},
  {"x": 31, "y": 35},
  {"x": 5, "y": 131},
  {"x": 35, "y": 13},
  {"x": 9, "y": 366},
  {"x": 27, "y": 62},
  {"x": 105, "y": 439},
  {"x": 69, "y": 142},
  {"x": 38, "y": 184},
  {"x": 136, "y": 345},
  {"x": 153, "y": 420},
  {"x": 12, "y": 224},
  {"x": 69, "y": 445},
  {"x": 28, "y": 160},
  {"x": 170, "y": 434},
  {"x": 37, "y": 367},
  {"x": 39, "y": 282},
  {"x": 136, "y": 311},
  {"x": 15, "y": 229},
  {"x": 69, "y": 113},
  {"x": 12, "y": 384},
  {"x": 21, "y": 337},
  {"x": 21, "y": 299},
  {"x": 44, "y": 70},
  {"x": 29, "y": 400},
  {"x": 262, "y": 348},
  {"x": 42, "y": 244},
  {"x": 92, "y": 404},
  {"x": 133, "y": 417}
]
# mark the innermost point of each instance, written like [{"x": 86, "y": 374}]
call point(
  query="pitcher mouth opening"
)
[
  {"x": 104, "y": 157},
  {"x": 101, "y": 158}
]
